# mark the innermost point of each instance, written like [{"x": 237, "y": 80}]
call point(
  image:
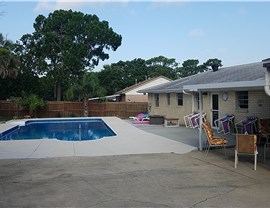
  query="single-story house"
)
[
  {"x": 239, "y": 90},
  {"x": 131, "y": 94}
]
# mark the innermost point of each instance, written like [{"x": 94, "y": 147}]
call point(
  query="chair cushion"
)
[{"x": 218, "y": 141}]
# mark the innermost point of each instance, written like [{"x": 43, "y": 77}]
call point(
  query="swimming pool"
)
[{"x": 61, "y": 129}]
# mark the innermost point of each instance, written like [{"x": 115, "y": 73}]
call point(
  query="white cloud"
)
[
  {"x": 51, "y": 5},
  {"x": 196, "y": 33},
  {"x": 55, "y": 5}
]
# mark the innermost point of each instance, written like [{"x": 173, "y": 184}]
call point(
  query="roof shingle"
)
[{"x": 240, "y": 73}]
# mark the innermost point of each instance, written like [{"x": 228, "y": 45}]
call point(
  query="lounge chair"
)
[
  {"x": 247, "y": 126},
  {"x": 142, "y": 118},
  {"x": 187, "y": 118},
  {"x": 192, "y": 120},
  {"x": 224, "y": 124},
  {"x": 213, "y": 140}
]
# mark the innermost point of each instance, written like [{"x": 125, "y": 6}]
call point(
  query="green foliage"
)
[
  {"x": 118, "y": 76},
  {"x": 86, "y": 87},
  {"x": 32, "y": 103},
  {"x": 66, "y": 44},
  {"x": 191, "y": 67},
  {"x": 9, "y": 63},
  {"x": 161, "y": 65},
  {"x": 213, "y": 63}
]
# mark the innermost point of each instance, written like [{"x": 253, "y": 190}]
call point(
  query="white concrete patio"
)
[{"x": 129, "y": 140}]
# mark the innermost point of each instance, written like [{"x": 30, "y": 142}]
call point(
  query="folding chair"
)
[
  {"x": 213, "y": 140},
  {"x": 247, "y": 126},
  {"x": 246, "y": 145},
  {"x": 187, "y": 119},
  {"x": 224, "y": 124}
]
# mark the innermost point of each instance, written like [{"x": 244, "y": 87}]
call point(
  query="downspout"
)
[
  {"x": 267, "y": 76},
  {"x": 192, "y": 100}
]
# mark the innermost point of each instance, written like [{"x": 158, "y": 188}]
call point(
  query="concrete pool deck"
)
[
  {"x": 129, "y": 140},
  {"x": 133, "y": 179}
]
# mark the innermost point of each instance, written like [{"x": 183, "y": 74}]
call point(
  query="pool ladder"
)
[{"x": 80, "y": 132}]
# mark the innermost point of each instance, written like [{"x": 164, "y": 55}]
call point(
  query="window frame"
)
[
  {"x": 168, "y": 99},
  {"x": 242, "y": 98},
  {"x": 157, "y": 99},
  {"x": 180, "y": 99}
]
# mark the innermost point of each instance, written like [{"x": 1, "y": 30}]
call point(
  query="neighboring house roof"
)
[
  {"x": 140, "y": 84},
  {"x": 108, "y": 97},
  {"x": 241, "y": 76}
]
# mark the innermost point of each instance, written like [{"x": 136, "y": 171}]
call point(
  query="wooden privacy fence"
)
[{"x": 75, "y": 109}]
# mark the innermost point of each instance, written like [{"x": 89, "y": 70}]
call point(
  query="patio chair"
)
[
  {"x": 246, "y": 145},
  {"x": 247, "y": 126},
  {"x": 224, "y": 124},
  {"x": 193, "y": 120},
  {"x": 264, "y": 130},
  {"x": 187, "y": 119},
  {"x": 213, "y": 140},
  {"x": 141, "y": 117}
]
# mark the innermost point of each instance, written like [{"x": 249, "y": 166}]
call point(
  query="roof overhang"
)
[
  {"x": 160, "y": 91},
  {"x": 243, "y": 85}
]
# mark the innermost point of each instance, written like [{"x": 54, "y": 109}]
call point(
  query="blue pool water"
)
[{"x": 62, "y": 129}]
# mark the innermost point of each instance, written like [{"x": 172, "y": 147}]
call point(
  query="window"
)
[
  {"x": 198, "y": 100},
  {"x": 179, "y": 99},
  {"x": 169, "y": 99},
  {"x": 157, "y": 100},
  {"x": 242, "y": 99}
]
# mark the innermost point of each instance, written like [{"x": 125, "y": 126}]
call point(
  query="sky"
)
[{"x": 234, "y": 32}]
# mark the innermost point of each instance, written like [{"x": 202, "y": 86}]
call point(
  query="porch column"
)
[{"x": 200, "y": 126}]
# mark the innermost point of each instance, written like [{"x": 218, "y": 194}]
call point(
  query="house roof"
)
[
  {"x": 127, "y": 89},
  {"x": 241, "y": 76}
]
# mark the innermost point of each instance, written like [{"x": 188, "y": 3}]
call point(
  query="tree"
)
[
  {"x": 66, "y": 44},
  {"x": 111, "y": 78},
  {"x": 84, "y": 89},
  {"x": 213, "y": 63},
  {"x": 32, "y": 103},
  {"x": 191, "y": 67},
  {"x": 118, "y": 76},
  {"x": 161, "y": 65},
  {"x": 9, "y": 63}
]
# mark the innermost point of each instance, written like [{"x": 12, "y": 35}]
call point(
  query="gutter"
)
[{"x": 266, "y": 64}]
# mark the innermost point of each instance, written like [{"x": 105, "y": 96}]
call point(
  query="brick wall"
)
[{"x": 259, "y": 105}]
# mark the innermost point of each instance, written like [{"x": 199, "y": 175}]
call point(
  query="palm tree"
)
[{"x": 88, "y": 87}]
